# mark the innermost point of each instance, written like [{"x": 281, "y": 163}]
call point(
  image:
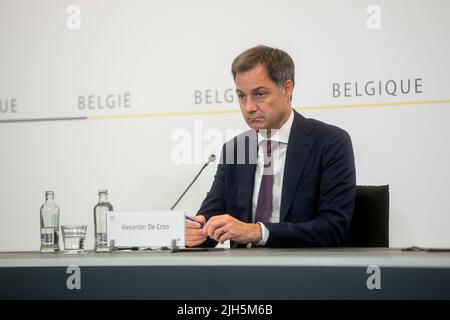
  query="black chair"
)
[{"x": 370, "y": 222}]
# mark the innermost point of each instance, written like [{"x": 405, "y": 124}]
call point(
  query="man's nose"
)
[{"x": 250, "y": 106}]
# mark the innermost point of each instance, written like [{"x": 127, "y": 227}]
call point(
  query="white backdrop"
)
[{"x": 170, "y": 60}]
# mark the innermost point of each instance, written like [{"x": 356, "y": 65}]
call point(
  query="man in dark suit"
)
[{"x": 289, "y": 181}]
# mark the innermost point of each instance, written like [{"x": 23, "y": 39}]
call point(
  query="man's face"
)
[{"x": 264, "y": 105}]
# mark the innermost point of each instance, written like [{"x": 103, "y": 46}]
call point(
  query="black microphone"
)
[{"x": 211, "y": 158}]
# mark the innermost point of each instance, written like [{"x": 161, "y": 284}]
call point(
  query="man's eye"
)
[
  {"x": 240, "y": 96},
  {"x": 260, "y": 94}
]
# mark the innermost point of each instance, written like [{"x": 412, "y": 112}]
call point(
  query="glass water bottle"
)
[
  {"x": 49, "y": 224},
  {"x": 100, "y": 211}
]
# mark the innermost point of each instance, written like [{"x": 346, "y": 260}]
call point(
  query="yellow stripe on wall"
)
[
  {"x": 231, "y": 111},
  {"x": 369, "y": 105}
]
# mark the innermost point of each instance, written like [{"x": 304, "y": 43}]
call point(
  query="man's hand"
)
[
  {"x": 225, "y": 227},
  {"x": 193, "y": 232}
]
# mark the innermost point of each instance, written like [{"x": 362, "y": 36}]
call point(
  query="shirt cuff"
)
[{"x": 264, "y": 235}]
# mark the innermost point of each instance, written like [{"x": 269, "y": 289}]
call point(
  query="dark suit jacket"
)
[{"x": 318, "y": 190}]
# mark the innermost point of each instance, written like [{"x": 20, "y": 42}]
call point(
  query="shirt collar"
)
[{"x": 280, "y": 135}]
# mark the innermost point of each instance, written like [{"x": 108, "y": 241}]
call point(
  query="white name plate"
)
[{"x": 146, "y": 228}]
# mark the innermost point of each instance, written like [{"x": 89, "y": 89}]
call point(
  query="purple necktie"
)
[{"x": 264, "y": 205}]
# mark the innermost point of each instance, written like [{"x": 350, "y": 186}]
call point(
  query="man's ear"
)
[{"x": 288, "y": 89}]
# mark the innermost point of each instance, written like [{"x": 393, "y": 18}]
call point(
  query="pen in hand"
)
[{"x": 192, "y": 219}]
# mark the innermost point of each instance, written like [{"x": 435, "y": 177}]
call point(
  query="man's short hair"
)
[{"x": 279, "y": 65}]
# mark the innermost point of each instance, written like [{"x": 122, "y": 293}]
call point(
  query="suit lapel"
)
[
  {"x": 246, "y": 173},
  {"x": 297, "y": 153}
]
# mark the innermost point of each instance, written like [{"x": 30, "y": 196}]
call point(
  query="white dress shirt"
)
[{"x": 278, "y": 160}]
